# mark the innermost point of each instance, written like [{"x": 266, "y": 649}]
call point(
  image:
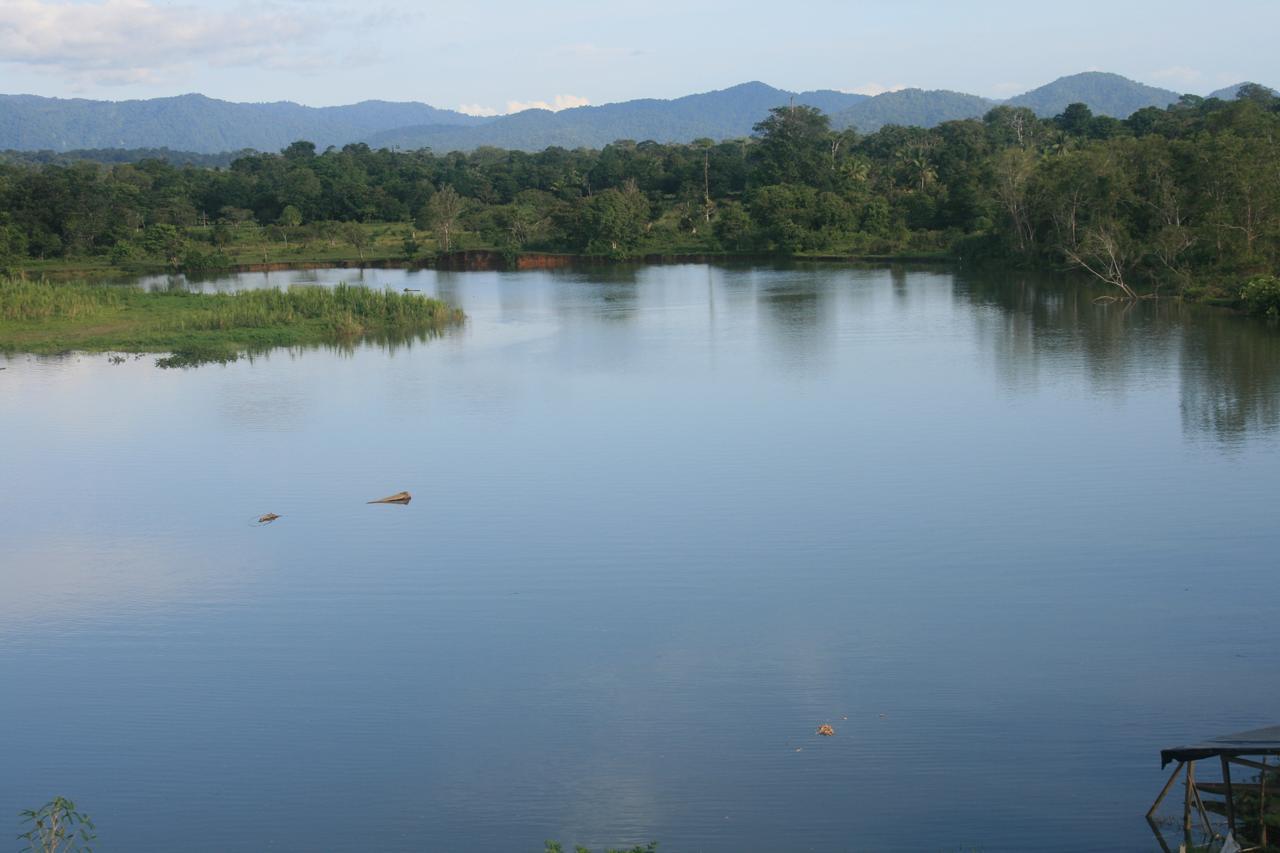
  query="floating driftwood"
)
[
  {"x": 412, "y": 290},
  {"x": 397, "y": 498},
  {"x": 826, "y": 730},
  {"x": 268, "y": 518}
]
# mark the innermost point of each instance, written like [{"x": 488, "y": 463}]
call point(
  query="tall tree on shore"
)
[
  {"x": 356, "y": 235},
  {"x": 794, "y": 148},
  {"x": 444, "y": 210}
]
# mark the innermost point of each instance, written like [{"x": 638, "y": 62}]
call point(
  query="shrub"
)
[
  {"x": 1261, "y": 296},
  {"x": 194, "y": 260}
]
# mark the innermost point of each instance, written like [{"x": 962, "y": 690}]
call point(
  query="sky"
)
[{"x": 499, "y": 56}]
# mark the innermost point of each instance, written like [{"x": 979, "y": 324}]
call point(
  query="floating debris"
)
[
  {"x": 412, "y": 290},
  {"x": 397, "y": 498},
  {"x": 826, "y": 731},
  {"x": 268, "y": 518}
]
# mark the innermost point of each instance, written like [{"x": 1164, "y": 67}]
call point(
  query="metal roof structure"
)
[
  {"x": 1265, "y": 741},
  {"x": 1228, "y": 750}
]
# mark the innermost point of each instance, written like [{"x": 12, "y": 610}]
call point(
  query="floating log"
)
[
  {"x": 397, "y": 498},
  {"x": 268, "y": 518}
]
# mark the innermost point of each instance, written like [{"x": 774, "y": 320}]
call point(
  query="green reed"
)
[{"x": 43, "y": 317}]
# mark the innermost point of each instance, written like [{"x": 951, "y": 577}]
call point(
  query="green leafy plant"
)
[
  {"x": 557, "y": 847},
  {"x": 57, "y": 827}
]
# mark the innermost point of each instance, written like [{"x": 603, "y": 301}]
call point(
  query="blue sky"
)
[{"x": 501, "y": 55}]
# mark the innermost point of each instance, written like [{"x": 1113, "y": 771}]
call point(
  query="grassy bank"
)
[
  {"x": 45, "y": 318},
  {"x": 380, "y": 243},
  {"x": 400, "y": 244}
]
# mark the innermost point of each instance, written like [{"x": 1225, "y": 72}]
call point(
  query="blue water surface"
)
[{"x": 666, "y": 522}]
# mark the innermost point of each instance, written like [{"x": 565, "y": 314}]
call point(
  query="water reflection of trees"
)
[
  {"x": 800, "y": 317},
  {"x": 1034, "y": 326},
  {"x": 604, "y": 292},
  {"x": 1229, "y": 366},
  {"x": 1230, "y": 377}
]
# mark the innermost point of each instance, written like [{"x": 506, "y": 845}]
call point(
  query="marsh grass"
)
[
  {"x": 44, "y": 318},
  {"x": 23, "y": 301}
]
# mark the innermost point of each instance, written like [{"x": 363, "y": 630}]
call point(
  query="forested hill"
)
[
  {"x": 1230, "y": 93},
  {"x": 200, "y": 124},
  {"x": 722, "y": 114},
  {"x": 910, "y": 108},
  {"x": 1105, "y": 94}
]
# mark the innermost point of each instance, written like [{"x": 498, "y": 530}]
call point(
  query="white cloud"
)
[
  {"x": 556, "y": 104},
  {"x": 110, "y": 42},
  {"x": 874, "y": 89}
]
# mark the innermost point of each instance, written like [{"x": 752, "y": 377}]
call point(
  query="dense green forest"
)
[
  {"x": 46, "y": 156},
  {"x": 1186, "y": 198}
]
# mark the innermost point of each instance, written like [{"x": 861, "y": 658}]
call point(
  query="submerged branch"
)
[{"x": 1102, "y": 256}]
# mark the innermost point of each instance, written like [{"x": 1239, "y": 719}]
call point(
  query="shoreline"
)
[
  {"x": 470, "y": 260},
  {"x": 492, "y": 260}
]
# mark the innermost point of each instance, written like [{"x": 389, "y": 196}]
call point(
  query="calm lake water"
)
[{"x": 666, "y": 522}]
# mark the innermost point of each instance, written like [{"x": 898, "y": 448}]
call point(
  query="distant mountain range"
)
[
  {"x": 730, "y": 113},
  {"x": 724, "y": 114},
  {"x": 1106, "y": 94},
  {"x": 195, "y": 123}
]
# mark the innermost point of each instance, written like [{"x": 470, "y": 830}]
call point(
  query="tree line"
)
[{"x": 1186, "y": 197}]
